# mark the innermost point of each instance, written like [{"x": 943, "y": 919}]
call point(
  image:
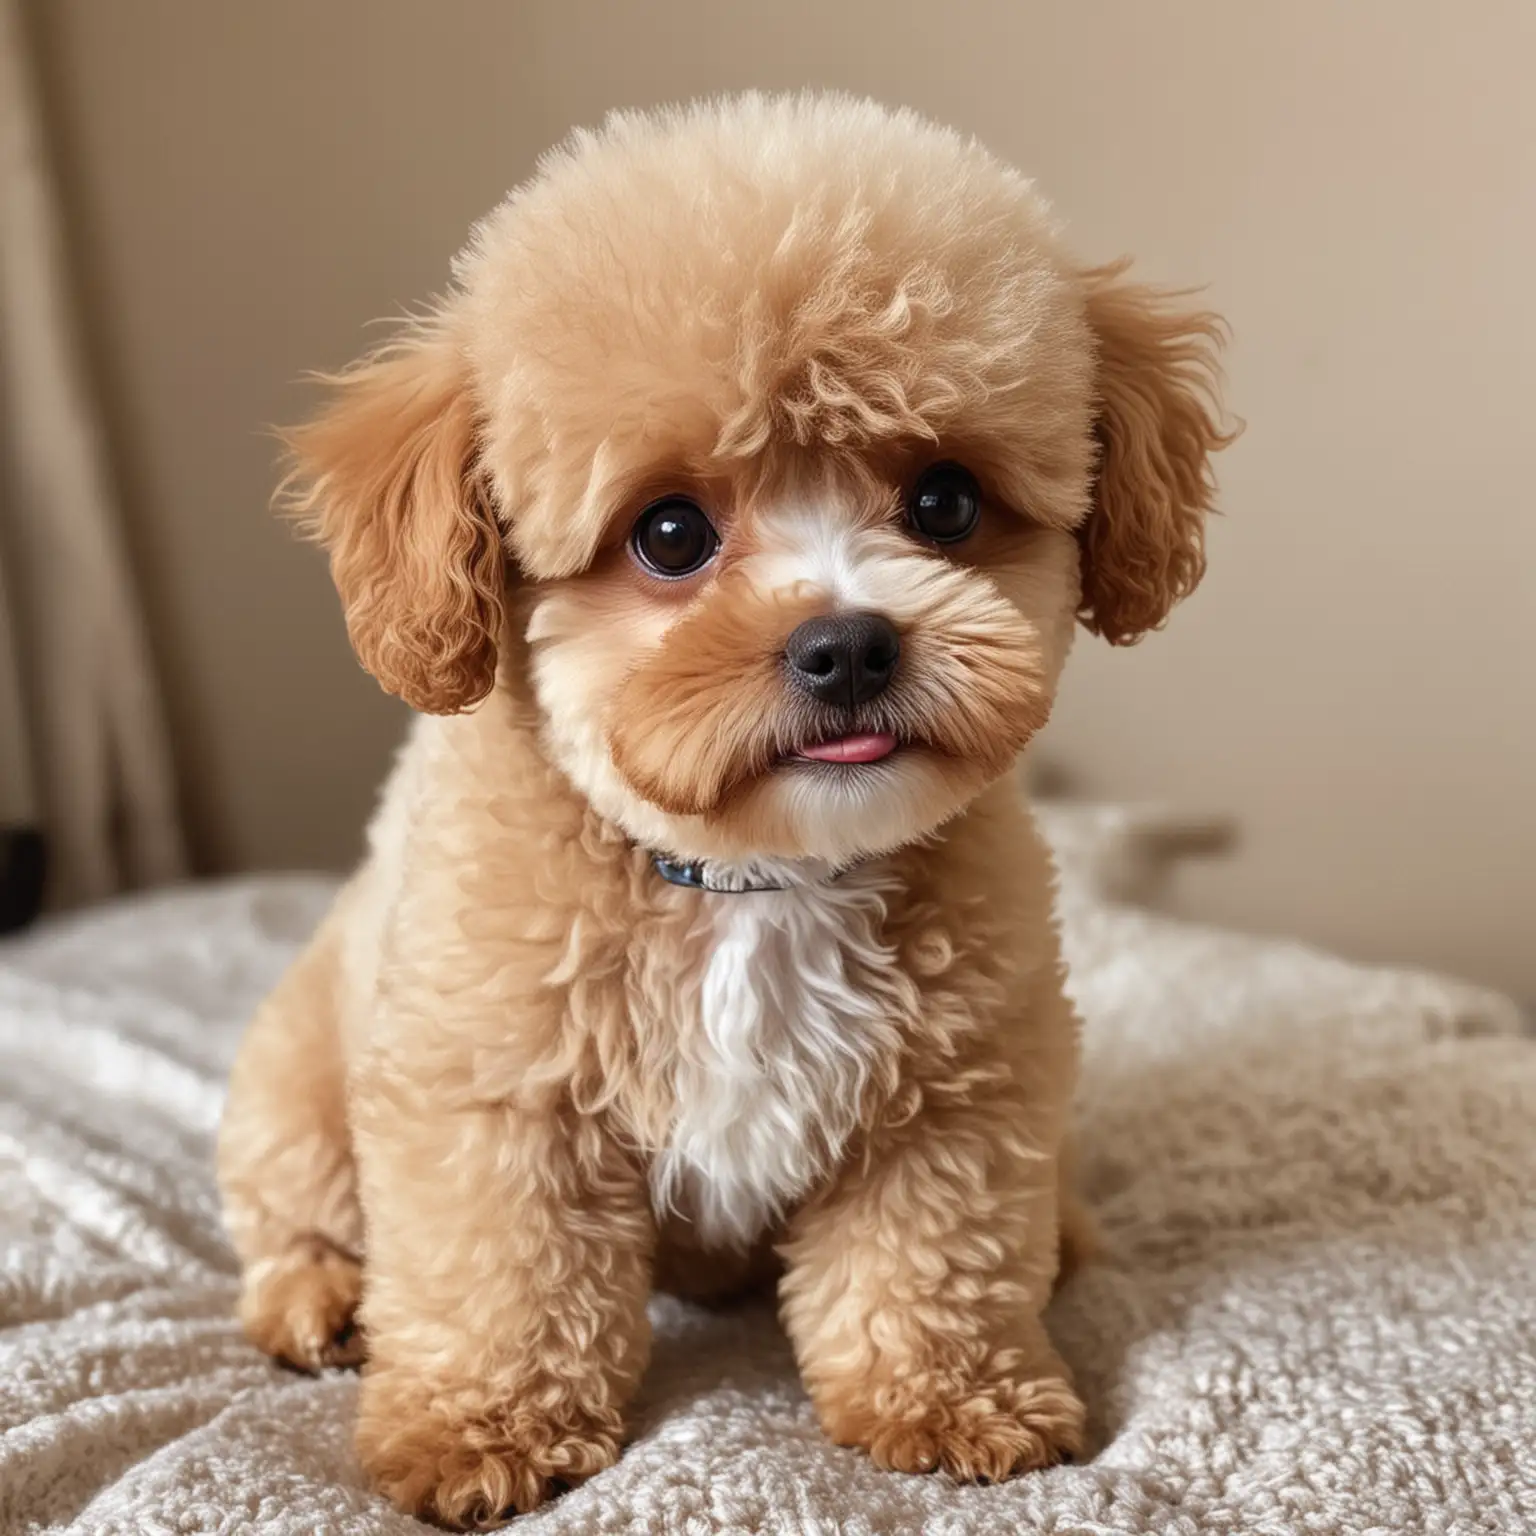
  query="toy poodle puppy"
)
[{"x": 727, "y": 524}]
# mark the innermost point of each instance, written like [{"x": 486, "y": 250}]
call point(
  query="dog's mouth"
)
[{"x": 859, "y": 748}]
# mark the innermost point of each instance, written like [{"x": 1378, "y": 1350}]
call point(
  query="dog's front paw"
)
[
  {"x": 300, "y": 1306},
  {"x": 469, "y": 1462},
  {"x": 984, "y": 1433}
]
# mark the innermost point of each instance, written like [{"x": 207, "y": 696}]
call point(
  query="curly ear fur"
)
[
  {"x": 1158, "y": 372},
  {"x": 385, "y": 477}
]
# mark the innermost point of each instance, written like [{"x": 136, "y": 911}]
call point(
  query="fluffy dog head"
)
[{"x": 775, "y": 446}]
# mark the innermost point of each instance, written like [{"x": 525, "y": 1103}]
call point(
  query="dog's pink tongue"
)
[{"x": 867, "y": 748}]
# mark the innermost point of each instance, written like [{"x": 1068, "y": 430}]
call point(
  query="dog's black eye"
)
[
  {"x": 945, "y": 504},
  {"x": 674, "y": 538}
]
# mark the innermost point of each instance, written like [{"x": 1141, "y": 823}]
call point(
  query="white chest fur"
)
[{"x": 799, "y": 1004}]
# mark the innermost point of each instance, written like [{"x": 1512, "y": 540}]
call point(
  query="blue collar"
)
[
  {"x": 695, "y": 875},
  {"x": 702, "y": 875}
]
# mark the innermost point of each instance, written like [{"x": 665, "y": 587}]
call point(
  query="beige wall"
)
[{"x": 1356, "y": 183}]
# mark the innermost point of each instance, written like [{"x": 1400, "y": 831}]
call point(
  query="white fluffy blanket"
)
[{"x": 1317, "y": 1313}]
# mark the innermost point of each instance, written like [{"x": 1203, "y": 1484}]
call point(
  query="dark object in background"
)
[{"x": 23, "y": 864}]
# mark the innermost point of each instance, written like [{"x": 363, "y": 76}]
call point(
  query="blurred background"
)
[{"x": 206, "y": 199}]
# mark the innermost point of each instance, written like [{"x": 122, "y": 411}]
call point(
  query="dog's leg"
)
[
  {"x": 914, "y": 1292},
  {"x": 285, "y": 1167},
  {"x": 1079, "y": 1243},
  {"x": 509, "y": 1263}
]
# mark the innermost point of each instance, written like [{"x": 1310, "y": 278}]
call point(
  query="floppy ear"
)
[
  {"x": 1143, "y": 543},
  {"x": 386, "y": 478}
]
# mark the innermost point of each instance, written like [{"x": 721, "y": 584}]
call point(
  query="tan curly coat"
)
[{"x": 517, "y": 1080}]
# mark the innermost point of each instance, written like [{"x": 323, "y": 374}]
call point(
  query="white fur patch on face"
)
[
  {"x": 818, "y": 549},
  {"x": 800, "y": 1004},
  {"x": 827, "y": 549}
]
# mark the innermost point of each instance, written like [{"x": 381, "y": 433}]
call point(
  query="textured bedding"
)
[{"x": 1316, "y": 1311}]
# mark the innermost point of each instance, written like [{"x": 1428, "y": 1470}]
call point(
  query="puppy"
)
[{"x": 727, "y": 524}]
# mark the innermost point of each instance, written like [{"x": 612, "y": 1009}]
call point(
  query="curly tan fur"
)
[
  {"x": 517, "y": 1080},
  {"x": 384, "y": 478},
  {"x": 1158, "y": 373}
]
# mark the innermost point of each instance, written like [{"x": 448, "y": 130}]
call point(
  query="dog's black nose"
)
[{"x": 843, "y": 658}]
